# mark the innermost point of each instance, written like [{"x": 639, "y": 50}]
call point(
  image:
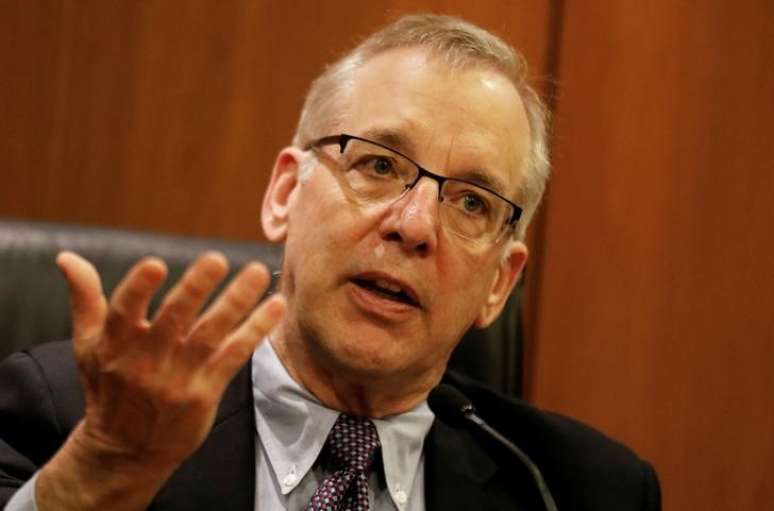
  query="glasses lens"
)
[
  {"x": 375, "y": 174},
  {"x": 473, "y": 212}
]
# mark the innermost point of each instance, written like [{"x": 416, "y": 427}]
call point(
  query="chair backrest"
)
[{"x": 34, "y": 302}]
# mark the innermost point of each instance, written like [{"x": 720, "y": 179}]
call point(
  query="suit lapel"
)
[
  {"x": 456, "y": 470},
  {"x": 221, "y": 473},
  {"x": 462, "y": 473}
]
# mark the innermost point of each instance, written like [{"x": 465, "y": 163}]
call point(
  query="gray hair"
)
[{"x": 460, "y": 44}]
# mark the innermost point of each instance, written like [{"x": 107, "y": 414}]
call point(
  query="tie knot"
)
[{"x": 353, "y": 442}]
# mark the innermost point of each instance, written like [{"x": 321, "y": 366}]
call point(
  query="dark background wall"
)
[{"x": 649, "y": 291}]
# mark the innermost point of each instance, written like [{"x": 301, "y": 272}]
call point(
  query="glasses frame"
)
[{"x": 343, "y": 139}]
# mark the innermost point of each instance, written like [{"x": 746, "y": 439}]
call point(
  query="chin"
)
[{"x": 370, "y": 354}]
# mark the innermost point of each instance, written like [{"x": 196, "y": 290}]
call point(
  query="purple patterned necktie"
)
[{"x": 351, "y": 446}]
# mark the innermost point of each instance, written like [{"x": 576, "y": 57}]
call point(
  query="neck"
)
[{"x": 342, "y": 388}]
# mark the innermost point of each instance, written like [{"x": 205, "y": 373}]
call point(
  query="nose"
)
[{"x": 413, "y": 219}]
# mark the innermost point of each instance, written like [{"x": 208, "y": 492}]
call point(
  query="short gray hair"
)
[{"x": 460, "y": 44}]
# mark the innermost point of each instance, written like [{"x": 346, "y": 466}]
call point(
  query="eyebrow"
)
[
  {"x": 392, "y": 138},
  {"x": 484, "y": 179}
]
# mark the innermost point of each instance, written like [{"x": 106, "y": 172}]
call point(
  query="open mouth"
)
[{"x": 388, "y": 290}]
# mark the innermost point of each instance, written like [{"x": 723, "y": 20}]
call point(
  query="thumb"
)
[{"x": 87, "y": 302}]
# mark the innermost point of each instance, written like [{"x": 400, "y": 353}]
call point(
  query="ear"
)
[
  {"x": 503, "y": 281},
  {"x": 275, "y": 211}
]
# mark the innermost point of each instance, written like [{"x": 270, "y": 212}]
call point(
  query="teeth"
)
[{"x": 388, "y": 286}]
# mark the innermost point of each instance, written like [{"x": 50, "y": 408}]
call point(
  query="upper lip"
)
[{"x": 404, "y": 286}]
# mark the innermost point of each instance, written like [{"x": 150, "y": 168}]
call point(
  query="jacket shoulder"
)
[
  {"x": 41, "y": 399},
  {"x": 584, "y": 468},
  {"x": 40, "y": 402}
]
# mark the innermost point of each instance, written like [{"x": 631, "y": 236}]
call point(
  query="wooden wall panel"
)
[
  {"x": 166, "y": 115},
  {"x": 655, "y": 319}
]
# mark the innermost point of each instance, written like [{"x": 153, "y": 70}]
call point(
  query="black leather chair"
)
[{"x": 34, "y": 302}]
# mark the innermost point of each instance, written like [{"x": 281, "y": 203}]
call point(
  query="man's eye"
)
[
  {"x": 376, "y": 166},
  {"x": 474, "y": 204},
  {"x": 381, "y": 166}
]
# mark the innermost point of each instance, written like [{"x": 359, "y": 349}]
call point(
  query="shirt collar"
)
[
  {"x": 402, "y": 437},
  {"x": 293, "y": 425}
]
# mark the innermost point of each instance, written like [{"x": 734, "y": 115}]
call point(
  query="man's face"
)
[{"x": 339, "y": 253}]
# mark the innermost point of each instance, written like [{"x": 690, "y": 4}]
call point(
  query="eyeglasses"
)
[{"x": 376, "y": 174}]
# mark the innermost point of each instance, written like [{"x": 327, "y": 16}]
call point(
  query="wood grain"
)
[
  {"x": 166, "y": 115},
  {"x": 655, "y": 319}
]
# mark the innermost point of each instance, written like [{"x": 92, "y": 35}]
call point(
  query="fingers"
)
[
  {"x": 180, "y": 307},
  {"x": 215, "y": 346},
  {"x": 129, "y": 301},
  {"x": 88, "y": 303},
  {"x": 227, "y": 312},
  {"x": 238, "y": 347}
]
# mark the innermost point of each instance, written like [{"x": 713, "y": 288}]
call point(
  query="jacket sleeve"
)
[{"x": 29, "y": 428}]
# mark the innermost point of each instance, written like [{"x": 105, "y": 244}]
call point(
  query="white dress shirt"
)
[{"x": 292, "y": 426}]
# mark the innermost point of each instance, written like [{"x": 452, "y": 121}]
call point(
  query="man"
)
[{"x": 386, "y": 265}]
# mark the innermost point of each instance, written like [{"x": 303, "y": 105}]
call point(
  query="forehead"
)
[{"x": 457, "y": 122}]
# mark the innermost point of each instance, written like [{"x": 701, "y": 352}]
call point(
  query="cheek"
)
[
  {"x": 465, "y": 271},
  {"x": 324, "y": 234},
  {"x": 323, "y": 208},
  {"x": 464, "y": 287}
]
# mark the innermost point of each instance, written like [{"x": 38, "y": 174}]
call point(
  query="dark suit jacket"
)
[{"x": 41, "y": 401}]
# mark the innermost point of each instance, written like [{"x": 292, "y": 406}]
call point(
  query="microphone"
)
[{"x": 450, "y": 404}]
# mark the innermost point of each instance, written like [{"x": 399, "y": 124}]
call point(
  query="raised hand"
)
[{"x": 152, "y": 387}]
